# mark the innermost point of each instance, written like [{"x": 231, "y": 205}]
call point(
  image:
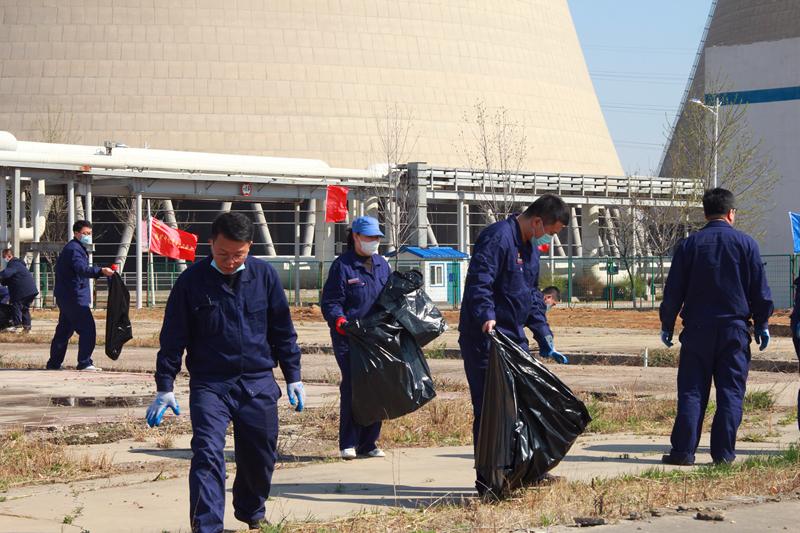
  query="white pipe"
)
[
  {"x": 89, "y": 218},
  {"x": 311, "y": 223},
  {"x": 263, "y": 227},
  {"x": 70, "y": 207},
  {"x": 139, "y": 247},
  {"x": 125, "y": 240}
]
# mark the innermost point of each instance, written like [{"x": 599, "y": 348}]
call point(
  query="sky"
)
[{"x": 640, "y": 55}]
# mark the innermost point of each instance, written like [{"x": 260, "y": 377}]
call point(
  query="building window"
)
[{"x": 436, "y": 277}]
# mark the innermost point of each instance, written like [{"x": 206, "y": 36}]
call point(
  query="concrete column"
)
[
  {"x": 590, "y": 230},
  {"x": 461, "y": 224},
  {"x": 125, "y": 240},
  {"x": 418, "y": 205},
  {"x": 263, "y": 229},
  {"x": 70, "y": 206},
  {"x": 311, "y": 221},
  {"x": 611, "y": 232},
  {"x": 37, "y": 205},
  {"x": 169, "y": 217},
  {"x": 575, "y": 230},
  {"x": 16, "y": 193},
  {"x": 323, "y": 236},
  {"x": 467, "y": 229},
  {"x": 139, "y": 247}
]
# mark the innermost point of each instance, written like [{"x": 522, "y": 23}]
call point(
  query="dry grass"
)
[
  {"x": 629, "y": 413},
  {"x": 611, "y": 499},
  {"x": 439, "y": 423},
  {"x": 26, "y": 460}
]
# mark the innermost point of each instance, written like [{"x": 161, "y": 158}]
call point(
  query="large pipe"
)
[
  {"x": 311, "y": 222},
  {"x": 431, "y": 237},
  {"x": 263, "y": 228},
  {"x": 127, "y": 237},
  {"x": 4, "y": 209},
  {"x": 70, "y": 206},
  {"x": 37, "y": 199},
  {"x": 139, "y": 237},
  {"x": 16, "y": 190},
  {"x": 169, "y": 217}
]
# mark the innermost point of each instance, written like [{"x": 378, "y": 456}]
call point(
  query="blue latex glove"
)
[
  {"x": 163, "y": 401},
  {"x": 296, "y": 394},
  {"x": 558, "y": 357},
  {"x": 666, "y": 338},
  {"x": 762, "y": 337}
]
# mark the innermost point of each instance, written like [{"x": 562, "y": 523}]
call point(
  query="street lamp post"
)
[{"x": 714, "y": 111}]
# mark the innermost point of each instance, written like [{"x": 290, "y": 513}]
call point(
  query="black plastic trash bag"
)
[
  {"x": 389, "y": 374},
  {"x": 529, "y": 421},
  {"x": 404, "y": 297},
  {"x": 118, "y": 323}
]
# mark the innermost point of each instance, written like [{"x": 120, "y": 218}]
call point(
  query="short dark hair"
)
[
  {"x": 8, "y": 251},
  {"x": 80, "y": 224},
  {"x": 550, "y": 208},
  {"x": 234, "y": 226},
  {"x": 552, "y": 290},
  {"x": 718, "y": 202}
]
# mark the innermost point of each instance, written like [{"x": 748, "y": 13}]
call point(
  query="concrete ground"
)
[
  {"x": 152, "y": 494},
  {"x": 414, "y": 477}
]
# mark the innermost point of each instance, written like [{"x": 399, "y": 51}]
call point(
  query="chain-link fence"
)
[{"x": 601, "y": 282}]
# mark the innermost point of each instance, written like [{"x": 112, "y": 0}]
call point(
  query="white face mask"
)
[{"x": 369, "y": 248}]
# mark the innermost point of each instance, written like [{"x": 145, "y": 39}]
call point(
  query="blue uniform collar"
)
[
  {"x": 717, "y": 224},
  {"x": 516, "y": 231},
  {"x": 213, "y": 274},
  {"x": 359, "y": 262}
]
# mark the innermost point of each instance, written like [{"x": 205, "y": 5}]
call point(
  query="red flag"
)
[
  {"x": 544, "y": 248},
  {"x": 171, "y": 242},
  {"x": 336, "y": 205}
]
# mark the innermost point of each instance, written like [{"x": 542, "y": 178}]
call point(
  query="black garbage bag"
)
[
  {"x": 530, "y": 419},
  {"x": 6, "y": 316},
  {"x": 389, "y": 373},
  {"x": 118, "y": 323},
  {"x": 404, "y": 297}
]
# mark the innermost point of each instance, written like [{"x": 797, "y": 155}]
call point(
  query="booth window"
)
[{"x": 436, "y": 277}]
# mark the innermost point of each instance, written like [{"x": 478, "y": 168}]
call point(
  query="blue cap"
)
[{"x": 367, "y": 226}]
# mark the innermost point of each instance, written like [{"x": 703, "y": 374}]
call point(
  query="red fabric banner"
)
[
  {"x": 544, "y": 248},
  {"x": 336, "y": 205},
  {"x": 171, "y": 242}
]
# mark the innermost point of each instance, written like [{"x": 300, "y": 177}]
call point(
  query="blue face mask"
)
[
  {"x": 544, "y": 239},
  {"x": 214, "y": 264},
  {"x": 86, "y": 240}
]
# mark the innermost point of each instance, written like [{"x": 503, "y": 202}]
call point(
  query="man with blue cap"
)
[
  {"x": 502, "y": 292},
  {"x": 73, "y": 298},
  {"x": 355, "y": 280},
  {"x": 230, "y": 314},
  {"x": 718, "y": 284}
]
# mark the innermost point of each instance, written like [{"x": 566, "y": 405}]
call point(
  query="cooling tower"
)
[
  {"x": 750, "y": 54},
  {"x": 303, "y": 78}
]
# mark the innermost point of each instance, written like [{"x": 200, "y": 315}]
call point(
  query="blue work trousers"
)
[
  {"x": 73, "y": 318},
  {"x": 718, "y": 353},
  {"x": 255, "y": 436},
  {"x": 351, "y": 434},
  {"x": 22, "y": 311}
]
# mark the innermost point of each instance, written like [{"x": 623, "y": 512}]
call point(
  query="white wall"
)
[{"x": 768, "y": 65}]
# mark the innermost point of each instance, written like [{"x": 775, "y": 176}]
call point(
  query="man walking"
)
[
  {"x": 230, "y": 314},
  {"x": 73, "y": 297},
  {"x": 501, "y": 291},
  {"x": 21, "y": 289},
  {"x": 718, "y": 284}
]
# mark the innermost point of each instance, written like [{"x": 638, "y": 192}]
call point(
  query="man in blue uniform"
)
[
  {"x": 230, "y": 314},
  {"x": 73, "y": 297},
  {"x": 21, "y": 289},
  {"x": 717, "y": 283},
  {"x": 501, "y": 291}
]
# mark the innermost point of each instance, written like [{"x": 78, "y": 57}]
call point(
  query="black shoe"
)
[
  {"x": 719, "y": 462},
  {"x": 670, "y": 460}
]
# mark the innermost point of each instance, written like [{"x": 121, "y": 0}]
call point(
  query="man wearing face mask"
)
[
  {"x": 73, "y": 297},
  {"x": 229, "y": 313},
  {"x": 501, "y": 291},
  {"x": 551, "y": 296},
  {"x": 355, "y": 281},
  {"x": 21, "y": 287}
]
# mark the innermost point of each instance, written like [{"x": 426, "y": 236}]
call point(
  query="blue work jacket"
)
[
  {"x": 716, "y": 278},
  {"x": 231, "y": 334},
  {"x": 351, "y": 290},
  {"x": 502, "y": 284},
  {"x": 72, "y": 275},
  {"x": 19, "y": 280}
]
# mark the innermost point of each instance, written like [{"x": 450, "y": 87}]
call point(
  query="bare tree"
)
[
  {"x": 494, "y": 144},
  {"x": 743, "y": 166},
  {"x": 391, "y": 189},
  {"x": 55, "y": 125}
]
